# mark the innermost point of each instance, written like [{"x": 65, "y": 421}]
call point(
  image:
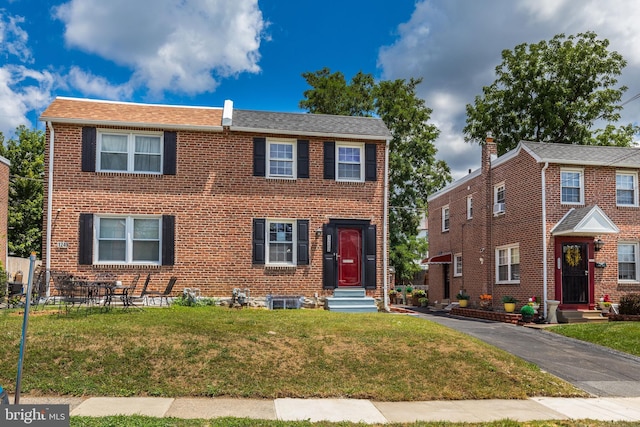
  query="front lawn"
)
[
  {"x": 621, "y": 336},
  {"x": 215, "y": 351}
]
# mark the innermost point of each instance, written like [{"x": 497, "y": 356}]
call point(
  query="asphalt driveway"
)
[{"x": 595, "y": 369}]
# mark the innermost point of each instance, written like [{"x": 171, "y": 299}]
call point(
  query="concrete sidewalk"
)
[{"x": 354, "y": 410}]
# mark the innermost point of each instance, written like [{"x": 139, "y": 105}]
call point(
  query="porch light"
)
[
  {"x": 598, "y": 244},
  {"x": 319, "y": 232}
]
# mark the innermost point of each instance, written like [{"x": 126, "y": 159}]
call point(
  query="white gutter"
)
[
  {"x": 112, "y": 123},
  {"x": 545, "y": 278},
  {"x": 385, "y": 220},
  {"x": 49, "y": 208}
]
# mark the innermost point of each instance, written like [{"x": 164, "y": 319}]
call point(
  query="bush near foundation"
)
[{"x": 630, "y": 304}]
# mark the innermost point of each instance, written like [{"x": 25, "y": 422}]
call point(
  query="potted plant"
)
[
  {"x": 527, "y": 313},
  {"x": 509, "y": 303},
  {"x": 605, "y": 304},
  {"x": 463, "y": 298},
  {"x": 485, "y": 301},
  {"x": 392, "y": 296},
  {"x": 534, "y": 302},
  {"x": 424, "y": 301},
  {"x": 417, "y": 294}
]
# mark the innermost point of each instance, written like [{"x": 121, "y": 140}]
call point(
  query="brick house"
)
[
  {"x": 279, "y": 203},
  {"x": 556, "y": 221}
]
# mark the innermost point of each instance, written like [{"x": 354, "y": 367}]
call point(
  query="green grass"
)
[
  {"x": 215, "y": 351},
  {"x": 621, "y": 336}
]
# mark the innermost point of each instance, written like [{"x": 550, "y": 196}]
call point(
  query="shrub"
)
[
  {"x": 630, "y": 304},
  {"x": 527, "y": 310}
]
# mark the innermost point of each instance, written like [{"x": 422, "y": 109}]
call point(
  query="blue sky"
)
[{"x": 201, "y": 52}]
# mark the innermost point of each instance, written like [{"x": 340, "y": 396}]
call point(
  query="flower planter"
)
[
  {"x": 604, "y": 307},
  {"x": 509, "y": 307},
  {"x": 463, "y": 303}
]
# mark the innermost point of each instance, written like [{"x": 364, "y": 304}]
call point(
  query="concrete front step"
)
[
  {"x": 351, "y": 300},
  {"x": 580, "y": 316}
]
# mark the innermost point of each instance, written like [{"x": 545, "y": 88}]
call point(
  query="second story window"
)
[
  {"x": 571, "y": 186},
  {"x": 350, "y": 165},
  {"x": 469, "y": 207},
  {"x": 626, "y": 185},
  {"x": 499, "y": 197},
  {"x": 445, "y": 218},
  {"x": 129, "y": 152},
  {"x": 281, "y": 156}
]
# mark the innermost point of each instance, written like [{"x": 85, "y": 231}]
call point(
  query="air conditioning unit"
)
[{"x": 498, "y": 208}]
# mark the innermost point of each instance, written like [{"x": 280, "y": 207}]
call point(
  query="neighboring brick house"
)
[
  {"x": 280, "y": 203},
  {"x": 556, "y": 221}
]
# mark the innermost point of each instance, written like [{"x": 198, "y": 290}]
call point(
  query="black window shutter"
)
[
  {"x": 303, "y": 158},
  {"x": 168, "y": 239},
  {"x": 259, "y": 242},
  {"x": 370, "y": 166},
  {"x": 170, "y": 153},
  {"x": 370, "y": 257},
  {"x": 259, "y": 156},
  {"x": 329, "y": 160},
  {"x": 303, "y": 241},
  {"x": 89, "y": 149},
  {"x": 85, "y": 239},
  {"x": 329, "y": 263}
]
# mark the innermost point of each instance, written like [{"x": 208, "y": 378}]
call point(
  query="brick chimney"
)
[{"x": 489, "y": 151}]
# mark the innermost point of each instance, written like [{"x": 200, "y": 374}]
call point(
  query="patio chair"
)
[
  {"x": 125, "y": 292},
  {"x": 133, "y": 298},
  {"x": 164, "y": 294}
]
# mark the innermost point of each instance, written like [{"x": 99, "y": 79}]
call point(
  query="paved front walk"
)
[{"x": 355, "y": 410}]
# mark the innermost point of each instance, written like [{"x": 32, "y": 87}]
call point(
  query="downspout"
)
[
  {"x": 544, "y": 238},
  {"x": 49, "y": 208},
  {"x": 385, "y": 229}
]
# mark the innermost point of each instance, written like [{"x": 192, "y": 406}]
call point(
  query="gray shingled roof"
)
[
  {"x": 310, "y": 124},
  {"x": 585, "y": 154}
]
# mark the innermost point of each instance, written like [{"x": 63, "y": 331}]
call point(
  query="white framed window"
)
[
  {"x": 135, "y": 152},
  {"x": 127, "y": 240},
  {"x": 499, "y": 198},
  {"x": 469, "y": 207},
  {"x": 281, "y": 158},
  {"x": 626, "y": 189},
  {"x": 508, "y": 264},
  {"x": 350, "y": 162},
  {"x": 445, "y": 218},
  {"x": 572, "y": 186},
  {"x": 281, "y": 242},
  {"x": 628, "y": 261},
  {"x": 457, "y": 265}
]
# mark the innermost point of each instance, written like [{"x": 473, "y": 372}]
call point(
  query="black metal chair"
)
[
  {"x": 132, "y": 298},
  {"x": 164, "y": 294}
]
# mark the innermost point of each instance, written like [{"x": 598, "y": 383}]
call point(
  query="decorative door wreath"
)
[{"x": 572, "y": 256}]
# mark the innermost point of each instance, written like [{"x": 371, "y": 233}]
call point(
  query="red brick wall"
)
[{"x": 214, "y": 197}]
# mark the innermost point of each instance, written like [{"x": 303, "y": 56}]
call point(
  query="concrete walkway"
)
[{"x": 355, "y": 410}]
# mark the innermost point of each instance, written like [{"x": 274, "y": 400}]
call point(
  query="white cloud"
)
[
  {"x": 98, "y": 86},
  {"x": 177, "y": 45},
  {"x": 455, "y": 46},
  {"x": 13, "y": 39},
  {"x": 22, "y": 90}
]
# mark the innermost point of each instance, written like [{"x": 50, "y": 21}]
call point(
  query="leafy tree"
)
[
  {"x": 413, "y": 170},
  {"x": 25, "y": 151},
  {"x": 552, "y": 92}
]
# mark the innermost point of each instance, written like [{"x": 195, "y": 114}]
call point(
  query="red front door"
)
[{"x": 349, "y": 257}]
